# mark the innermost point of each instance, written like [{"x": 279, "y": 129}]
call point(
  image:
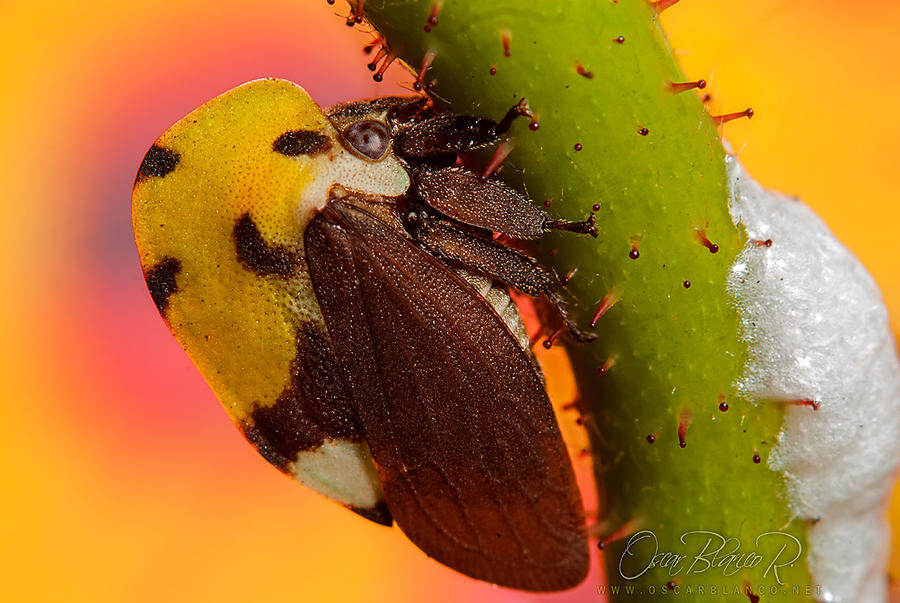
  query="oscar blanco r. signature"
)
[{"x": 708, "y": 551}]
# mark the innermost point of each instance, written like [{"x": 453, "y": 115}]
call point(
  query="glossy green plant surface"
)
[{"x": 616, "y": 139}]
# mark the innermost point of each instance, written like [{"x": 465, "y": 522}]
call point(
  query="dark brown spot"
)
[
  {"x": 620, "y": 40},
  {"x": 162, "y": 283},
  {"x": 643, "y": 131},
  {"x": 634, "y": 254},
  {"x": 301, "y": 142},
  {"x": 756, "y": 459},
  {"x": 257, "y": 255},
  {"x": 379, "y": 513},
  {"x": 578, "y": 146},
  {"x": 313, "y": 408},
  {"x": 158, "y": 162},
  {"x": 687, "y": 284},
  {"x": 651, "y": 438}
]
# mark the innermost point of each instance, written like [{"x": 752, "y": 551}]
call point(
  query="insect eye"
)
[{"x": 369, "y": 137}]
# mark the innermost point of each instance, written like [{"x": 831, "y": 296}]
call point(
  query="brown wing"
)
[{"x": 466, "y": 445}]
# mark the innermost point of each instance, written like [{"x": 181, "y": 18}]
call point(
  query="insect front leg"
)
[{"x": 453, "y": 134}]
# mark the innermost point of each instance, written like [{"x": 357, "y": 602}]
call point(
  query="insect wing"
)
[{"x": 464, "y": 439}]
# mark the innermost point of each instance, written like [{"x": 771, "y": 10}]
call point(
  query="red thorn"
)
[
  {"x": 580, "y": 70},
  {"x": 537, "y": 336},
  {"x": 684, "y": 422},
  {"x": 606, "y": 303},
  {"x": 369, "y": 46},
  {"x": 661, "y": 5},
  {"x": 748, "y": 590},
  {"x": 677, "y": 87},
  {"x": 379, "y": 75},
  {"x": 433, "y": 15},
  {"x": 704, "y": 240},
  {"x": 620, "y": 39},
  {"x": 651, "y": 438},
  {"x": 756, "y": 458},
  {"x": 493, "y": 69},
  {"x": 757, "y": 243},
  {"x": 724, "y": 119},
  {"x": 373, "y": 64},
  {"x": 356, "y": 13},
  {"x": 635, "y": 244},
  {"x": 568, "y": 276},
  {"x": 687, "y": 284},
  {"x": 578, "y": 146},
  {"x": 723, "y": 405},
  {"x": 548, "y": 202},
  {"x": 643, "y": 131},
  {"x": 628, "y": 528},
  {"x": 506, "y": 38},
  {"x": 427, "y": 60},
  {"x": 602, "y": 370},
  {"x": 499, "y": 155},
  {"x": 806, "y": 402},
  {"x": 548, "y": 343},
  {"x": 576, "y": 404},
  {"x": 595, "y": 207},
  {"x": 534, "y": 124}
]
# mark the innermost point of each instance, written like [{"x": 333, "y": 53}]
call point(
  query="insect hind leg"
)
[{"x": 586, "y": 226}]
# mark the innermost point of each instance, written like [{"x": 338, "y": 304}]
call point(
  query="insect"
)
[{"x": 335, "y": 280}]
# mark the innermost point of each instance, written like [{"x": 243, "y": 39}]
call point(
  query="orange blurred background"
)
[{"x": 123, "y": 480}]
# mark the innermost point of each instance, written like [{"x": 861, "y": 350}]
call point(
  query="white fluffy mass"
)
[{"x": 817, "y": 329}]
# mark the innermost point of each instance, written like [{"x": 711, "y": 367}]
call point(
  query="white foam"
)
[{"x": 817, "y": 328}]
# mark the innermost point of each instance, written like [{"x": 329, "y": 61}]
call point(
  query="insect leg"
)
[
  {"x": 464, "y": 197},
  {"x": 512, "y": 267},
  {"x": 453, "y": 134}
]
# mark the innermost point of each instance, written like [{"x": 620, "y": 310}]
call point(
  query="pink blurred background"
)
[{"x": 123, "y": 478}]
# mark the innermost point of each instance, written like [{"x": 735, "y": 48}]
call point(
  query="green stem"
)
[{"x": 675, "y": 348}]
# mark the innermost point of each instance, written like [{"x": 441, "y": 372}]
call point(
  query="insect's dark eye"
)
[{"x": 369, "y": 137}]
